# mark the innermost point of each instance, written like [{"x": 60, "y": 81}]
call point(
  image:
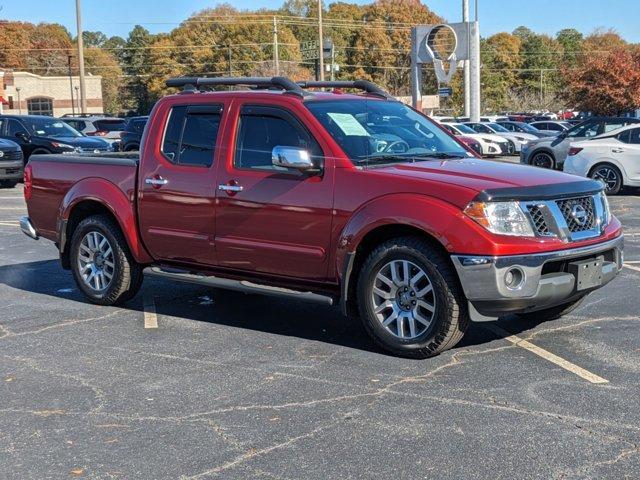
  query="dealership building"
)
[{"x": 27, "y": 93}]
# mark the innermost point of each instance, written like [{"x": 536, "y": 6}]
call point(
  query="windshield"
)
[
  {"x": 387, "y": 131},
  {"x": 49, "y": 127},
  {"x": 498, "y": 128},
  {"x": 480, "y": 128},
  {"x": 464, "y": 129},
  {"x": 527, "y": 128}
]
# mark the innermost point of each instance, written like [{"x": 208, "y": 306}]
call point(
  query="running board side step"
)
[{"x": 238, "y": 285}]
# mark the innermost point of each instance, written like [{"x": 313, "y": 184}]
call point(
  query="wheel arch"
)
[
  {"x": 81, "y": 202},
  {"x": 360, "y": 236}
]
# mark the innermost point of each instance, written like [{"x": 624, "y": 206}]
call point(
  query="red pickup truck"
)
[{"x": 328, "y": 196}]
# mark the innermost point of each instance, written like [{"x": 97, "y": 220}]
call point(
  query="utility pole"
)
[
  {"x": 320, "y": 42},
  {"x": 83, "y": 91},
  {"x": 276, "y": 57},
  {"x": 467, "y": 78},
  {"x": 73, "y": 107},
  {"x": 19, "y": 101},
  {"x": 474, "y": 69}
]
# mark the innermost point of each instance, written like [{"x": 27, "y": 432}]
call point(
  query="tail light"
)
[
  {"x": 574, "y": 150},
  {"x": 28, "y": 182}
]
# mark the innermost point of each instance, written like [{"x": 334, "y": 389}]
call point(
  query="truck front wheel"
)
[
  {"x": 102, "y": 265},
  {"x": 409, "y": 299}
]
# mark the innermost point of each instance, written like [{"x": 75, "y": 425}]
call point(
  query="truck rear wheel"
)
[
  {"x": 102, "y": 265},
  {"x": 409, "y": 299}
]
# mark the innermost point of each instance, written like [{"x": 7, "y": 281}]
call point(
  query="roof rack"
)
[
  {"x": 281, "y": 83},
  {"x": 365, "y": 85}
]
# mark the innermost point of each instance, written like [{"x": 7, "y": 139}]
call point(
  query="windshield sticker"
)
[{"x": 348, "y": 124}]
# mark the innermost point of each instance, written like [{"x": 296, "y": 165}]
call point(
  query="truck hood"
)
[{"x": 481, "y": 176}]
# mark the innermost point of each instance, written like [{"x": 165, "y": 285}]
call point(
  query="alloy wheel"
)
[
  {"x": 608, "y": 176},
  {"x": 403, "y": 299},
  {"x": 543, "y": 160},
  {"x": 96, "y": 261}
]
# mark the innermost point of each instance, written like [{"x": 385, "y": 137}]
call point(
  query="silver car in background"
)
[{"x": 552, "y": 152}]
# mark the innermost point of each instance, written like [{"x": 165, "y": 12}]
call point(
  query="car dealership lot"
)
[{"x": 240, "y": 386}]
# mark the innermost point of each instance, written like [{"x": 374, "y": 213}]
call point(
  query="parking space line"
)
[
  {"x": 10, "y": 224},
  {"x": 632, "y": 267},
  {"x": 150, "y": 315},
  {"x": 551, "y": 357}
]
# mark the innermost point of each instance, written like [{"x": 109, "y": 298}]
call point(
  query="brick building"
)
[{"x": 24, "y": 92}]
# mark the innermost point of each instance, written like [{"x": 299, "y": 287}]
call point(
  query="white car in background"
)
[
  {"x": 516, "y": 140},
  {"x": 492, "y": 145},
  {"x": 613, "y": 158}
]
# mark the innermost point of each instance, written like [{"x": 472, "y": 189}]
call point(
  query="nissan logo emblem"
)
[{"x": 579, "y": 214}]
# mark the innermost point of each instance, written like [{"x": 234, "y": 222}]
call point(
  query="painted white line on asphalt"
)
[
  {"x": 632, "y": 267},
  {"x": 551, "y": 357},
  {"x": 632, "y": 261},
  {"x": 10, "y": 224},
  {"x": 150, "y": 316}
]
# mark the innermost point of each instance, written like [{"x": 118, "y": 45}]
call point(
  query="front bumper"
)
[
  {"x": 547, "y": 279},
  {"x": 27, "y": 228},
  {"x": 11, "y": 170}
]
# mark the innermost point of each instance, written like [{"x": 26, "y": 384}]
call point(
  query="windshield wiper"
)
[
  {"x": 377, "y": 159},
  {"x": 439, "y": 155}
]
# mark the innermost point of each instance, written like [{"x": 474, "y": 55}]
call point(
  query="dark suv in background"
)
[
  {"x": 552, "y": 152},
  {"x": 38, "y": 134},
  {"x": 130, "y": 137},
  {"x": 11, "y": 163}
]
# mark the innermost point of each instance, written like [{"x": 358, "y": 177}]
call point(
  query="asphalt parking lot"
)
[{"x": 236, "y": 386}]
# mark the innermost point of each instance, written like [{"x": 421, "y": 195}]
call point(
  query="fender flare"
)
[
  {"x": 114, "y": 200},
  {"x": 436, "y": 218}
]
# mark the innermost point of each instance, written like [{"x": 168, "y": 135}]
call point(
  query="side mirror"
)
[
  {"x": 294, "y": 158},
  {"x": 23, "y": 136}
]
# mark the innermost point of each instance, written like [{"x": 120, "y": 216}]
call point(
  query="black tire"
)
[
  {"x": 450, "y": 318},
  {"x": 552, "y": 313},
  {"x": 127, "y": 274},
  {"x": 610, "y": 175},
  {"x": 40, "y": 151},
  {"x": 8, "y": 183},
  {"x": 543, "y": 159}
]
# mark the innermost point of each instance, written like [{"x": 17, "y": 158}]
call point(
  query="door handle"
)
[
  {"x": 156, "y": 181},
  {"x": 230, "y": 188},
  {"x": 617, "y": 150}
]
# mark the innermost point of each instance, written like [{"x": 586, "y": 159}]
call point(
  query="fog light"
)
[{"x": 514, "y": 278}]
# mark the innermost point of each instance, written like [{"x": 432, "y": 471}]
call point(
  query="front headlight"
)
[
  {"x": 65, "y": 146},
  {"x": 522, "y": 139},
  {"x": 502, "y": 218}
]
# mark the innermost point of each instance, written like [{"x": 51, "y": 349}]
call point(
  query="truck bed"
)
[{"x": 53, "y": 176}]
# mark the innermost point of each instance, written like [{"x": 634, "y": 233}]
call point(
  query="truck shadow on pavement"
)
[{"x": 260, "y": 313}]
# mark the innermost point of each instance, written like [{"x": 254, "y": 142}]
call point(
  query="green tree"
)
[
  {"x": 501, "y": 59},
  {"x": 571, "y": 42}
]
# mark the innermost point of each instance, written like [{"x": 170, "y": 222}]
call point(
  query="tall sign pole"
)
[
  {"x": 467, "y": 80},
  {"x": 320, "y": 42},
  {"x": 474, "y": 70},
  {"x": 83, "y": 91}
]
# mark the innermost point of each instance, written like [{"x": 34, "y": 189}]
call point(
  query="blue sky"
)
[{"x": 117, "y": 17}]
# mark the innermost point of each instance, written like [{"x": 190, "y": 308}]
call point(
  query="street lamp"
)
[{"x": 19, "y": 102}]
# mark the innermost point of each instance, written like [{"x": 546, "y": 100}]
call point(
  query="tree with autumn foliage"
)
[{"x": 606, "y": 83}]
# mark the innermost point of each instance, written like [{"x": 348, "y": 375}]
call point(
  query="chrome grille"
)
[
  {"x": 539, "y": 223},
  {"x": 11, "y": 156},
  {"x": 569, "y": 219},
  {"x": 578, "y": 213}
]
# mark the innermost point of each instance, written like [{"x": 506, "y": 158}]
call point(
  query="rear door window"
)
[
  {"x": 191, "y": 133},
  {"x": 634, "y": 136}
]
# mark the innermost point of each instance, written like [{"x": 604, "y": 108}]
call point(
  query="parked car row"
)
[
  {"x": 602, "y": 148},
  {"x": 22, "y": 136}
]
